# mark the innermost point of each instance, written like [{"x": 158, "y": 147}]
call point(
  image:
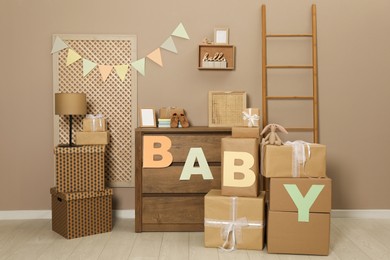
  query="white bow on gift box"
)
[{"x": 252, "y": 119}]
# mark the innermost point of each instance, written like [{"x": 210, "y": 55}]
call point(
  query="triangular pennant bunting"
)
[
  {"x": 105, "y": 70},
  {"x": 58, "y": 45},
  {"x": 121, "y": 71},
  {"x": 156, "y": 56},
  {"x": 72, "y": 57},
  {"x": 88, "y": 66},
  {"x": 139, "y": 65},
  {"x": 169, "y": 45},
  {"x": 180, "y": 31}
]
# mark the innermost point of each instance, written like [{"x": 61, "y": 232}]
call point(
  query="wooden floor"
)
[{"x": 33, "y": 239}]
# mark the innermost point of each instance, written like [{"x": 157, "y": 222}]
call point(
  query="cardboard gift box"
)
[
  {"x": 94, "y": 125},
  {"x": 167, "y": 112},
  {"x": 80, "y": 168},
  {"x": 240, "y": 166},
  {"x": 299, "y": 216},
  {"x": 92, "y": 138},
  {"x": 285, "y": 235},
  {"x": 280, "y": 199},
  {"x": 251, "y": 117},
  {"x": 79, "y": 214},
  {"x": 286, "y": 161},
  {"x": 245, "y": 132},
  {"x": 233, "y": 222}
]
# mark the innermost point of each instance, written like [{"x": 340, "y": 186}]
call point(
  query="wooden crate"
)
[
  {"x": 229, "y": 52},
  {"x": 164, "y": 202}
]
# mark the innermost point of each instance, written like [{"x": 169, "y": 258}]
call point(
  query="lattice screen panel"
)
[{"x": 114, "y": 98}]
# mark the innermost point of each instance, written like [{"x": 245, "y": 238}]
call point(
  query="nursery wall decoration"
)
[
  {"x": 121, "y": 69},
  {"x": 98, "y": 65},
  {"x": 168, "y": 45}
]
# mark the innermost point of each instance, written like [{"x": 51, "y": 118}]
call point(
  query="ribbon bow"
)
[
  {"x": 233, "y": 228},
  {"x": 251, "y": 118},
  {"x": 299, "y": 155}
]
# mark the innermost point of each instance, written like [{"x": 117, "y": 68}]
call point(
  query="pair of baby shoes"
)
[{"x": 175, "y": 119}]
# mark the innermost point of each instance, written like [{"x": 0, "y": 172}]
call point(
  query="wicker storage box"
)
[
  {"x": 225, "y": 108},
  {"x": 80, "y": 214},
  {"x": 80, "y": 168}
]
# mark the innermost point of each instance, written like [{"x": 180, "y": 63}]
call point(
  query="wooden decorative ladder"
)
[{"x": 313, "y": 67}]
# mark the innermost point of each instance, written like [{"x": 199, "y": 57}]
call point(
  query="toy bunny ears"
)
[
  {"x": 272, "y": 137},
  {"x": 274, "y": 127}
]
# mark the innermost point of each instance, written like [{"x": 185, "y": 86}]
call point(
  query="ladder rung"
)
[
  {"x": 289, "y": 97},
  {"x": 289, "y": 66},
  {"x": 289, "y": 35},
  {"x": 299, "y": 129}
]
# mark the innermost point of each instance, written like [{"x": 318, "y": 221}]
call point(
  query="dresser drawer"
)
[
  {"x": 162, "y": 201},
  {"x": 173, "y": 209},
  {"x": 182, "y": 143},
  {"x": 167, "y": 180}
]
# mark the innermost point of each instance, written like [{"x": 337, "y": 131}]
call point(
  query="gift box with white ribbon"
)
[
  {"x": 294, "y": 159},
  {"x": 234, "y": 222}
]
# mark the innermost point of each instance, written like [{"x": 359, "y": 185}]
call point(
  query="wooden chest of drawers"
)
[{"x": 163, "y": 202}]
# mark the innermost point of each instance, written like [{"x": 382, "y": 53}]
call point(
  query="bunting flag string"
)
[
  {"x": 181, "y": 32},
  {"x": 72, "y": 57},
  {"x": 105, "y": 70},
  {"x": 58, "y": 45},
  {"x": 156, "y": 56},
  {"x": 169, "y": 45},
  {"x": 139, "y": 65},
  {"x": 121, "y": 69},
  {"x": 88, "y": 66}
]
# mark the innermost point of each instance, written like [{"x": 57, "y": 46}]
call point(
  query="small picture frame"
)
[
  {"x": 147, "y": 117},
  {"x": 221, "y": 35}
]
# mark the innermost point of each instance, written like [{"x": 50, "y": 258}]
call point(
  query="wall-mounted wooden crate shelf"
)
[{"x": 227, "y": 50}]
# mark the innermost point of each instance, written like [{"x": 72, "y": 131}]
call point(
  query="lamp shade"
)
[{"x": 70, "y": 104}]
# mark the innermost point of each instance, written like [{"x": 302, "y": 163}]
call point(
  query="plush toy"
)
[{"x": 272, "y": 137}]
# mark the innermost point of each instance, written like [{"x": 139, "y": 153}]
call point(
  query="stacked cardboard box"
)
[
  {"x": 299, "y": 201},
  {"x": 234, "y": 215},
  {"x": 94, "y": 131},
  {"x": 81, "y": 205}
]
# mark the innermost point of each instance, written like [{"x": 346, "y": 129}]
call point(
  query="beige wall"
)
[{"x": 354, "y": 81}]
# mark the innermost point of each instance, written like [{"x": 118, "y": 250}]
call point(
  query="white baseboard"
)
[
  {"x": 361, "y": 213},
  {"x": 46, "y": 214},
  {"x": 130, "y": 214},
  {"x": 25, "y": 214}
]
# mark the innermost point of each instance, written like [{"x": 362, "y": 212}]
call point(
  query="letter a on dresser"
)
[{"x": 196, "y": 154}]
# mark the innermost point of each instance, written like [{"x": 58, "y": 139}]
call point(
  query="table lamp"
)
[{"x": 70, "y": 104}]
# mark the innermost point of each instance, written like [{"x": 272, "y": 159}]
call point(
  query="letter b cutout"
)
[
  {"x": 229, "y": 168},
  {"x": 150, "y": 151}
]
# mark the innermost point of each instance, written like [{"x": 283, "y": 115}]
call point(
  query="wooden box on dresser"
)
[{"x": 163, "y": 202}]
